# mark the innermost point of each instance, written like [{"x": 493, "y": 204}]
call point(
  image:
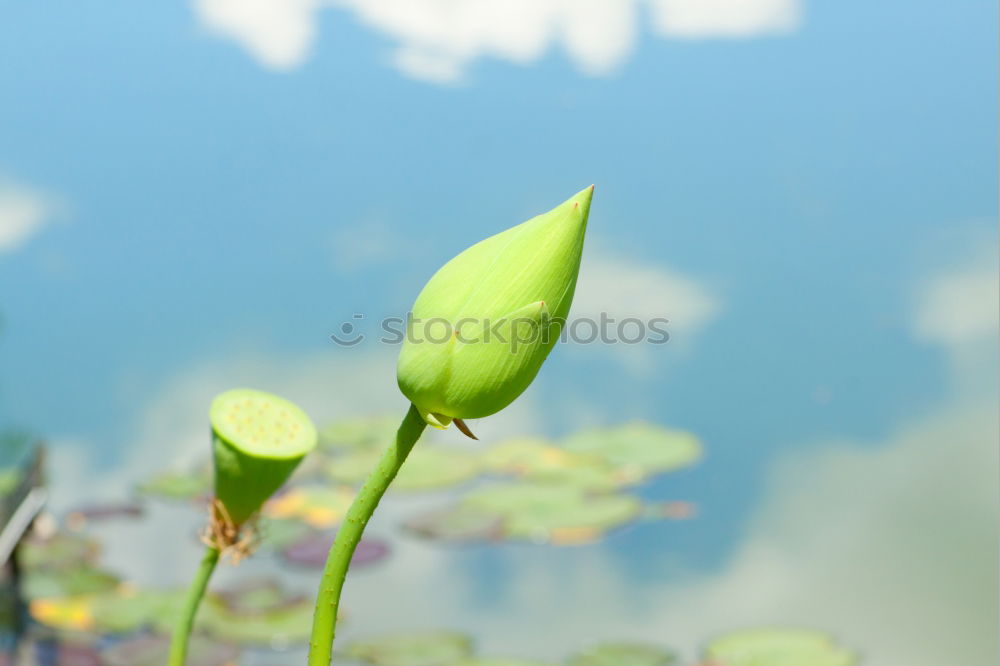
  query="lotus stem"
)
[
  {"x": 349, "y": 534},
  {"x": 185, "y": 621}
]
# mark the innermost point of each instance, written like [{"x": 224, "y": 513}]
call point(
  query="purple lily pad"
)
[{"x": 312, "y": 551}]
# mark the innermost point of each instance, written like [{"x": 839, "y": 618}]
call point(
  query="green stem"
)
[
  {"x": 182, "y": 631},
  {"x": 349, "y": 534}
]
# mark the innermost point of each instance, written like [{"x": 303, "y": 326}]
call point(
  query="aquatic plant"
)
[
  {"x": 258, "y": 440},
  {"x": 501, "y": 304}
]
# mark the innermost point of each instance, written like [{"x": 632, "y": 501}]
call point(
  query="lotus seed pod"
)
[
  {"x": 258, "y": 439},
  {"x": 484, "y": 323}
]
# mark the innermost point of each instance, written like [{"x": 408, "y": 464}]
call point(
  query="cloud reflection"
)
[
  {"x": 23, "y": 213},
  {"x": 437, "y": 40}
]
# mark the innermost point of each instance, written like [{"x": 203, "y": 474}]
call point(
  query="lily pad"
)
[
  {"x": 318, "y": 506},
  {"x": 153, "y": 650},
  {"x": 258, "y": 612},
  {"x": 277, "y": 627},
  {"x": 595, "y": 476},
  {"x": 499, "y": 661},
  {"x": 515, "y": 497},
  {"x": 427, "y": 468},
  {"x": 362, "y": 433},
  {"x": 280, "y": 532},
  {"x": 560, "y": 514},
  {"x": 638, "y": 450},
  {"x": 584, "y": 522},
  {"x": 536, "y": 459},
  {"x": 311, "y": 469},
  {"x": 68, "y": 582},
  {"x": 523, "y": 454},
  {"x": 432, "y": 648},
  {"x": 312, "y": 551},
  {"x": 555, "y": 513},
  {"x": 777, "y": 647},
  {"x": 9, "y": 478},
  {"x": 458, "y": 523},
  {"x": 129, "y": 609},
  {"x": 60, "y": 551},
  {"x": 66, "y": 613},
  {"x": 178, "y": 485},
  {"x": 256, "y": 595},
  {"x": 624, "y": 654},
  {"x": 119, "y": 611}
]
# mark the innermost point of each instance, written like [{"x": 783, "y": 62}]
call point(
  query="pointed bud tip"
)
[{"x": 582, "y": 199}]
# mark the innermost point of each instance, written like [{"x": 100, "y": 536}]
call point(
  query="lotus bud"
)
[
  {"x": 258, "y": 440},
  {"x": 485, "y": 322}
]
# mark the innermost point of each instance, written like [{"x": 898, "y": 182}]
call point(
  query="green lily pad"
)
[
  {"x": 638, "y": 450},
  {"x": 124, "y": 610},
  {"x": 624, "y": 654},
  {"x": 578, "y": 523},
  {"x": 317, "y": 505},
  {"x": 153, "y": 650},
  {"x": 128, "y": 609},
  {"x": 514, "y": 497},
  {"x": 178, "y": 485},
  {"x": 278, "y": 533},
  {"x": 63, "y": 613},
  {"x": 10, "y": 477},
  {"x": 523, "y": 454},
  {"x": 536, "y": 459},
  {"x": 68, "y": 582},
  {"x": 427, "y": 468},
  {"x": 361, "y": 433},
  {"x": 555, "y": 513},
  {"x": 258, "y": 612},
  {"x": 458, "y": 523},
  {"x": 277, "y": 628},
  {"x": 312, "y": 468},
  {"x": 352, "y": 468},
  {"x": 61, "y": 551},
  {"x": 777, "y": 647},
  {"x": 492, "y": 661},
  {"x": 432, "y": 648},
  {"x": 256, "y": 596},
  {"x": 594, "y": 476},
  {"x": 561, "y": 514}
]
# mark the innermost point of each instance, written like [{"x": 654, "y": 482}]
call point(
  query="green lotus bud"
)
[
  {"x": 484, "y": 323},
  {"x": 258, "y": 440}
]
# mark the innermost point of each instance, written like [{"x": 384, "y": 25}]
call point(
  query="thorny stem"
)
[
  {"x": 349, "y": 534},
  {"x": 182, "y": 631}
]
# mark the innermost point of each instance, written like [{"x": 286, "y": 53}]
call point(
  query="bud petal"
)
[{"x": 504, "y": 301}]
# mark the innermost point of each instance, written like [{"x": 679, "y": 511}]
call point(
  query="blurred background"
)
[{"x": 195, "y": 196}]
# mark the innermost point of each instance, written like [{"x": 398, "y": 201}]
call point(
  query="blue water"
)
[{"x": 808, "y": 190}]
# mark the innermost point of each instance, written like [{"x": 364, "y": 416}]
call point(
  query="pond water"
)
[{"x": 201, "y": 196}]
